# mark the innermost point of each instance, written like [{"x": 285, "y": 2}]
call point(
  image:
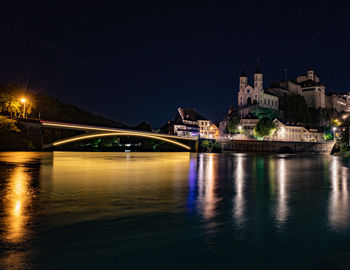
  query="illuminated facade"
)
[
  {"x": 188, "y": 123},
  {"x": 248, "y": 123},
  {"x": 295, "y": 132},
  {"x": 254, "y": 95}
]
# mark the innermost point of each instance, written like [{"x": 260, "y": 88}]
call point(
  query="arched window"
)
[{"x": 249, "y": 101}]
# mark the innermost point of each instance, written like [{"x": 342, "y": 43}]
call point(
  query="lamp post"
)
[
  {"x": 334, "y": 129},
  {"x": 240, "y": 129},
  {"x": 23, "y": 100}
]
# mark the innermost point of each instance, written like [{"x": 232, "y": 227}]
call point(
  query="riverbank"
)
[{"x": 345, "y": 154}]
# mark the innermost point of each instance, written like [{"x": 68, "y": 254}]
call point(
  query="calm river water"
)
[{"x": 69, "y": 210}]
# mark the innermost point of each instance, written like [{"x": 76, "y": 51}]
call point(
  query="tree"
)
[
  {"x": 13, "y": 107},
  {"x": 217, "y": 147},
  {"x": 297, "y": 109},
  {"x": 8, "y": 124},
  {"x": 144, "y": 126},
  {"x": 344, "y": 140},
  {"x": 232, "y": 125},
  {"x": 264, "y": 127},
  {"x": 207, "y": 146},
  {"x": 262, "y": 112}
]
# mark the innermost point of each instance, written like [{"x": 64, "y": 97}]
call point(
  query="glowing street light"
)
[
  {"x": 334, "y": 129},
  {"x": 23, "y": 100}
]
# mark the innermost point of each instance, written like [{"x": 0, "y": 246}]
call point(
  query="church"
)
[
  {"x": 254, "y": 95},
  {"x": 276, "y": 97}
]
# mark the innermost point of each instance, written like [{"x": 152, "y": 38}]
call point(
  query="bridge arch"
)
[
  {"x": 285, "y": 150},
  {"x": 135, "y": 134}
]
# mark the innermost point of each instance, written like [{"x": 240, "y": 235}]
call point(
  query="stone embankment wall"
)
[{"x": 277, "y": 146}]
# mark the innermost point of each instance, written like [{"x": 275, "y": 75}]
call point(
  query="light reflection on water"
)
[
  {"x": 239, "y": 201},
  {"x": 18, "y": 192},
  {"x": 281, "y": 204},
  {"x": 170, "y": 203},
  {"x": 339, "y": 204}
]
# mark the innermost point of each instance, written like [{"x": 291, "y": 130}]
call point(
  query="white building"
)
[
  {"x": 295, "y": 133},
  {"x": 254, "y": 95}
]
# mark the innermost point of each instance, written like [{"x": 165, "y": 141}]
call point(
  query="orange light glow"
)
[
  {"x": 83, "y": 127},
  {"x": 137, "y": 134}
]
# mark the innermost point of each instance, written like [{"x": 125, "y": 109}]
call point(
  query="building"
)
[
  {"x": 248, "y": 124},
  {"x": 189, "y": 123},
  {"x": 311, "y": 89},
  {"x": 276, "y": 97},
  {"x": 254, "y": 95},
  {"x": 295, "y": 132},
  {"x": 338, "y": 102},
  {"x": 186, "y": 123},
  {"x": 204, "y": 125},
  {"x": 213, "y": 131}
]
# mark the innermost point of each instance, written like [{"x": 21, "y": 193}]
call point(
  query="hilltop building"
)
[
  {"x": 311, "y": 89},
  {"x": 276, "y": 97},
  {"x": 254, "y": 95}
]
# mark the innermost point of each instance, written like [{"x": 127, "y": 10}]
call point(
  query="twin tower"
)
[
  {"x": 258, "y": 80},
  {"x": 254, "y": 95}
]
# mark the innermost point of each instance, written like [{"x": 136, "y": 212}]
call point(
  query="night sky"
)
[{"x": 132, "y": 61}]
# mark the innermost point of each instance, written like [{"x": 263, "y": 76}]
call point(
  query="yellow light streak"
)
[
  {"x": 137, "y": 134},
  {"x": 52, "y": 124}
]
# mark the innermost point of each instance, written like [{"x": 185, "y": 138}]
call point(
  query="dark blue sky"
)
[{"x": 132, "y": 61}]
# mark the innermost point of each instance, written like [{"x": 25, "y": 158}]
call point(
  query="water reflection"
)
[
  {"x": 239, "y": 182},
  {"x": 18, "y": 192},
  {"x": 282, "y": 195},
  {"x": 192, "y": 178},
  {"x": 339, "y": 197},
  {"x": 141, "y": 204},
  {"x": 206, "y": 186},
  {"x": 17, "y": 200}
]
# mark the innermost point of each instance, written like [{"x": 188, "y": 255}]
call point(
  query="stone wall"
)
[{"x": 276, "y": 146}]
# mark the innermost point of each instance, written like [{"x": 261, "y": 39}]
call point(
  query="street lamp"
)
[
  {"x": 23, "y": 100},
  {"x": 334, "y": 129},
  {"x": 240, "y": 129}
]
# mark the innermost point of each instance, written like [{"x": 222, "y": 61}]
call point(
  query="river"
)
[{"x": 73, "y": 210}]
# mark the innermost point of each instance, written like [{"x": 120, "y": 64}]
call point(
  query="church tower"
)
[
  {"x": 243, "y": 81},
  {"x": 258, "y": 78}
]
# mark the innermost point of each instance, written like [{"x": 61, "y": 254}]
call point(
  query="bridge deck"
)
[{"x": 89, "y": 128}]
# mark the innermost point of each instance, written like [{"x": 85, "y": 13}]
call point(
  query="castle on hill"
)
[{"x": 307, "y": 85}]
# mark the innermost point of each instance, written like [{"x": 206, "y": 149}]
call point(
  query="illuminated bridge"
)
[{"x": 188, "y": 144}]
